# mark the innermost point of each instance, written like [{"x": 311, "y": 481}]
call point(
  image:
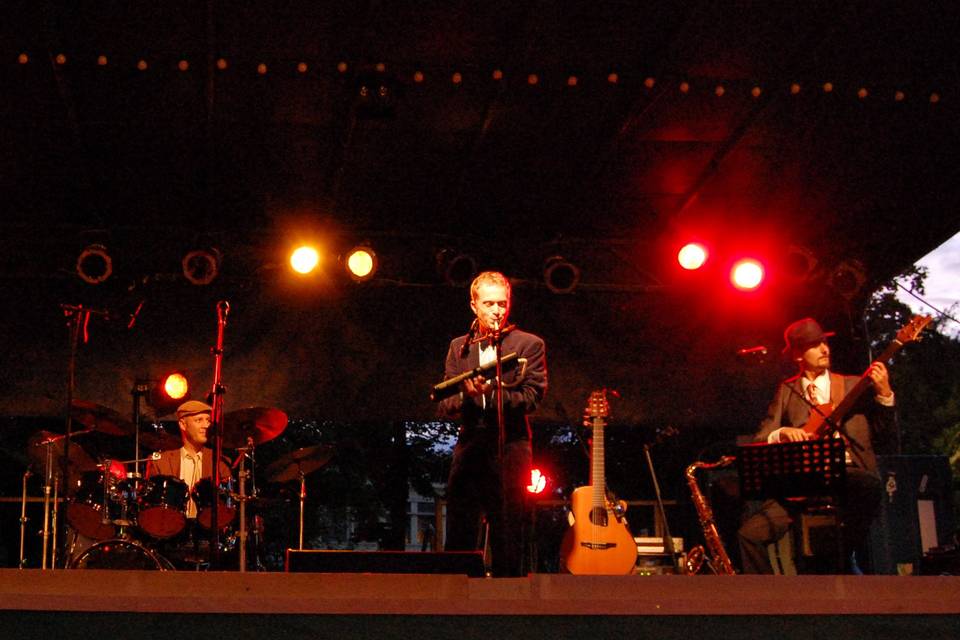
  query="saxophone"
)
[{"x": 719, "y": 562}]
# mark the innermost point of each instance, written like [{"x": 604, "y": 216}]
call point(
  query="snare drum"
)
[
  {"x": 204, "y": 498},
  {"x": 120, "y": 554},
  {"x": 163, "y": 506},
  {"x": 96, "y": 490}
]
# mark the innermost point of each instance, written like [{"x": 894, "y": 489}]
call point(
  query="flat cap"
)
[{"x": 192, "y": 408}]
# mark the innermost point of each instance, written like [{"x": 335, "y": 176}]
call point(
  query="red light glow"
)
[
  {"x": 538, "y": 482},
  {"x": 692, "y": 256},
  {"x": 747, "y": 274}
]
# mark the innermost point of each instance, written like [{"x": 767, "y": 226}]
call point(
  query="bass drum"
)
[{"x": 121, "y": 554}]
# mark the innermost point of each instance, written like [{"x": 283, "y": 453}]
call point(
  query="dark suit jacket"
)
[
  {"x": 867, "y": 423},
  {"x": 524, "y": 385},
  {"x": 169, "y": 465}
]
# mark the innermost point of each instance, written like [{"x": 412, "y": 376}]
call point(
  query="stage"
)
[{"x": 146, "y": 604}]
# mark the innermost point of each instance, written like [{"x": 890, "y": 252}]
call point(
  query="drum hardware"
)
[
  {"x": 297, "y": 464},
  {"x": 24, "y": 519},
  {"x": 242, "y": 474},
  {"x": 41, "y": 450}
]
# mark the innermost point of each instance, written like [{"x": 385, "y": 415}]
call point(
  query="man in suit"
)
[
  {"x": 481, "y": 485},
  {"x": 870, "y": 420},
  {"x": 193, "y": 461}
]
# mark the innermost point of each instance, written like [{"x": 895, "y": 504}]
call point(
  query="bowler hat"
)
[
  {"x": 192, "y": 408},
  {"x": 802, "y": 334}
]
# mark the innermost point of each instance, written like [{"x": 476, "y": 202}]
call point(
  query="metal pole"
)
[{"x": 23, "y": 520}]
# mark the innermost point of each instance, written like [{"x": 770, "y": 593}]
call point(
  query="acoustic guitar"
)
[
  {"x": 824, "y": 417},
  {"x": 598, "y": 541}
]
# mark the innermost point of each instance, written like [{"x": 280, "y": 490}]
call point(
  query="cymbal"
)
[
  {"x": 79, "y": 460},
  {"x": 159, "y": 439},
  {"x": 100, "y": 418},
  {"x": 306, "y": 460},
  {"x": 260, "y": 424}
]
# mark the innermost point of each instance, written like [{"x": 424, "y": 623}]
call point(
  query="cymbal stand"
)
[
  {"x": 47, "y": 491},
  {"x": 243, "y": 474},
  {"x": 53, "y": 522},
  {"x": 24, "y": 519}
]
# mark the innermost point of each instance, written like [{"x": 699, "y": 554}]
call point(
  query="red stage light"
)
[
  {"x": 538, "y": 482},
  {"x": 692, "y": 256},
  {"x": 747, "y": 274}
]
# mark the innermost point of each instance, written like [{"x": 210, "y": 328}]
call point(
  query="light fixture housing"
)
[
  {"x": 94, "y": 264},
  {"x": 201, "y": 266},
  {"x": 559, "y": 275},
  {"x": 458, "y": 269}
]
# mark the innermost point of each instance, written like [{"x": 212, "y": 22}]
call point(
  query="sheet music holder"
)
[{"x": 793, "y": 470}]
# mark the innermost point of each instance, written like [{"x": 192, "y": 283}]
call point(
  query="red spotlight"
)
[
  {"x": 692, "y": 256},
  {"x": 538, "y": 482},
  {"x": 747, "y": 274}
]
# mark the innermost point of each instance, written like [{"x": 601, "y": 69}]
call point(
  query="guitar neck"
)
[
  {"x": 837, "y": 415},
  {"x": 597, "y": 466}
]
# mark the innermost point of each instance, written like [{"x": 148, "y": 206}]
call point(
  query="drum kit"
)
[{"x": 121, "y": 519}]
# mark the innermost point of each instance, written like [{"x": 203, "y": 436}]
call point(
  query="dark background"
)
[{"x": 836, "y": 192}]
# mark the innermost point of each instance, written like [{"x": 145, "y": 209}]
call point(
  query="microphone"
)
[
  {"x": 758, "y": 350},
  {"x": 223, "y": 308}
]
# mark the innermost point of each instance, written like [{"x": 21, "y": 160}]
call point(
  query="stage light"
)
[
  {"x": 559, "y": 275},
  {"x": 304, "y": 259},
  {"x": 361, "y": 263},
  {"x": 692, "y": 256},
  {"x": 458, "y": 269},
  {"x": 538, "y": 482},
  {"x": 848, "y": 278},
  {"x": 167, "y": 393},
  {"x": 799, "y": 263},
  {"x": 201, "y": 266},
  {"x": 94, "y": 264},
  {"x": 747, "y": 274}
]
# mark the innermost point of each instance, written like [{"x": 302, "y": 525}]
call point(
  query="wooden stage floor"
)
[{"x": 416, "y": 594}]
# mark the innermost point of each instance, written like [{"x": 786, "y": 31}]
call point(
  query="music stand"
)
[{"x": 811, "y": 471}]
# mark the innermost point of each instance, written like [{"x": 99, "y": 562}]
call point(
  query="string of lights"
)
[{"x": 684, "y": 85}]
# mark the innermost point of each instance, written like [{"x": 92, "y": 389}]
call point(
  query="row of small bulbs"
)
[{"x": 456, "y": 77}]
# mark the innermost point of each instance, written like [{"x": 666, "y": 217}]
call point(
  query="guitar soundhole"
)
[{"x": 598, "y": 516}]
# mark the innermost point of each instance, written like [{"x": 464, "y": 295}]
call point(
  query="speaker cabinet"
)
[
  {"x": 915, "y": 513},
  {"x": 469, "y": 563}
]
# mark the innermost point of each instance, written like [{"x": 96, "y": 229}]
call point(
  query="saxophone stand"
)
[{"x": 668, "y": 548}]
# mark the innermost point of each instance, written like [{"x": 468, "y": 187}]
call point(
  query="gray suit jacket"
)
[{"x": 867, "y": 424}]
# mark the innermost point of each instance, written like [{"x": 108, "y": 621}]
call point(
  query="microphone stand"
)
[
  {"x": 501, "y": 425},
  {"x": 216, "y": 419}
]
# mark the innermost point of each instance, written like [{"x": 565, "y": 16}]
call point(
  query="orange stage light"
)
[{"x": 304, "y": 259}]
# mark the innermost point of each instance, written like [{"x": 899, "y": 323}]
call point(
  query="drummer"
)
[{"x": 192, "y": 461}]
